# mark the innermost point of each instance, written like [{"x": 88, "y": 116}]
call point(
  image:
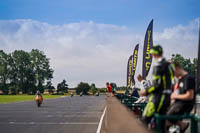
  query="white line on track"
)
[
  {"x": 51, "y": 116},
  {"x": 48, "y": 123},
  {"x": 101, "y": 121},
  {"x": 67, "y": 111}
]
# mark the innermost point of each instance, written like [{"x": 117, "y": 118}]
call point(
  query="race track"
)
[{"x": 63, "y": 115}]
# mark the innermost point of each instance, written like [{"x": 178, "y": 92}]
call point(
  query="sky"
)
[{"x": 91, "y": 41}]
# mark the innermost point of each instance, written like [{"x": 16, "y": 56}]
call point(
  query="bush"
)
[
  {"x": 82, "y": 87},
  {"x": 101, "y": 90},
  {"x": 93, "y": 89},
  {"x": 58, "y": 93}
]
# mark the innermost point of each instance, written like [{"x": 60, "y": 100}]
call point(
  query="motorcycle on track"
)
[
  {"x": 81, "y": 94},
  {"x": 72, "y": 94},
  {"x": 38, "y": 100},
  {"x": 97, "y": 94}
]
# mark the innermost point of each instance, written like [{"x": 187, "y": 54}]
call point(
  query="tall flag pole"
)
[
  {"x": 147, "y": 57},
  {"x": 135, "y": 57},
  {"x": 129, "y": 71}
]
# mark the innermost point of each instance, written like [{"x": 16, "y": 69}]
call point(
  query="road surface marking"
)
[
  {"x": 101, "y": 121},
  {"x": 49, "y": 123}
]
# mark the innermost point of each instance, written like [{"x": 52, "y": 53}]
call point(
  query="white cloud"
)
[
  {"x": 90, "y": 52},
  {"x": 180, "y": 39}
]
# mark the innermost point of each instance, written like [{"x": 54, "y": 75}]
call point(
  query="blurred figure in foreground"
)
[{"x": 159, "y": 92}]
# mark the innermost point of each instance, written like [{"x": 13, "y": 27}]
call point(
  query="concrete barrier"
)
[{"x": 119, "y": 119}]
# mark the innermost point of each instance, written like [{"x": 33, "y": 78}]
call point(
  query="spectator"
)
[
  {"x": 109, "y": 89},
  {"x": 183, "y": 96}
]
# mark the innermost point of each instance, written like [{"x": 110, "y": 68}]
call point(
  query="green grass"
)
[{"x": 21, "y": 98}]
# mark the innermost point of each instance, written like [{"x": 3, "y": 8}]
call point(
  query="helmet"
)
[{"x": 157, "y": 50}]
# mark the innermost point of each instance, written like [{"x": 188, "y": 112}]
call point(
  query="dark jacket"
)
[{"x": 163, "y": 76}]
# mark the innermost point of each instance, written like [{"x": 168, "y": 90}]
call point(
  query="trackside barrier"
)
[
  {"x": 119, "y": 119},
  {"x": 194, "y": 119},
  {"x": 129, "y": 101},
  {"x": 139, "y": 107}
]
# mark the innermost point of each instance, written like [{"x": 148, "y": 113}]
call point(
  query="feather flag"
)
[
  {"x": 135, "y": 57},
  {"x": 147, "y": 57},
  {"x": 129, "y": 71}
]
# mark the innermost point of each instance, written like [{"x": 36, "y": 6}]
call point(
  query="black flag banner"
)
[
  {"x": 129, "y": 71},
  {"x": 135, "y": 57},
  {"x": 148, "y": 43}
]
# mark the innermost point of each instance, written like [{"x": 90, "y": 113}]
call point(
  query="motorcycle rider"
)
[
  {"x": 159, "y": 93},
  {"x": 72, "y": 94},
  {"x": 39, "y": 94},
  {"x": 81, "y": 93}
]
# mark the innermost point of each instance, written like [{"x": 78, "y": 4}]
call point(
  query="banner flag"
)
[{"x": 147, "y": 57}]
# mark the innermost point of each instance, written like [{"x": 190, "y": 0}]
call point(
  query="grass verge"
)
[{"x": 21, "y": 98}]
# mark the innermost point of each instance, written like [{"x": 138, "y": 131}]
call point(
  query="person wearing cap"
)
[{"x": 159, "y": 92}]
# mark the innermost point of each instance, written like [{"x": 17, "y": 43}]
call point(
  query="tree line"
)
[
  {"x": 189, "y": 65},
  {"x": 25, "y": 72}
]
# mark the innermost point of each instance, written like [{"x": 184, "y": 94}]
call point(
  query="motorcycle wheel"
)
[{"x": 38, "y": 103}]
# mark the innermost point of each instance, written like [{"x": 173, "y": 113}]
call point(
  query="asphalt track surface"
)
[{"x": 62, "y": 115}]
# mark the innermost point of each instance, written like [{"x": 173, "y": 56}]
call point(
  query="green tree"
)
[
  {"x": 93, "y": 89},
  {"x": 101, "y": 90},
  {"x": 187, "y": 64},
  {"x": 20, "y": 71},
  {"x": 4, "y": 71},
  {"x": 62, "y": 87},
  {"x": 41, "y": 69},
  {"x": 24, "y": 71},
  {"x": 113, "y": 86},
  {"x": 82, "y": 87},
  {"x": 50, "y": 87},
  {"x": 13, "y": 89}
]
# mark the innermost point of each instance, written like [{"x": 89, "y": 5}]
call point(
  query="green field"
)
[{"x": 20, "y": 98}]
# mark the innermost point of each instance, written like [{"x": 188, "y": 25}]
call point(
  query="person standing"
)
[
  {"x": 109, "y": 89},
  {"x": 160, "y": 90}
]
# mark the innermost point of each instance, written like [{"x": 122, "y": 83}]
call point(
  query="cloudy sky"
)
[{"x": 90, "y": 40}]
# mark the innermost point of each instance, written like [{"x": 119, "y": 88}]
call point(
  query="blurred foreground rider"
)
[
  {"x": 159, "y": 93},
  {"x": 183, "y": 96}
]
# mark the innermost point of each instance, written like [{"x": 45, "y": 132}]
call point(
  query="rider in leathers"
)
[{"x": 159, "y": 93}]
